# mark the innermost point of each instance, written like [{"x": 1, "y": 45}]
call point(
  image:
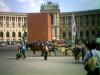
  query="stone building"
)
[
  {"x": 87, "y": 23},
  {"x": 11, "y": 26}
]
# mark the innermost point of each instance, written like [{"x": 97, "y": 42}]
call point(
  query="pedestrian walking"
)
[
  {"x": 83, "y": 49},
  {"x": 46, "y": 53},
  {"x": 22, "y": 49}
]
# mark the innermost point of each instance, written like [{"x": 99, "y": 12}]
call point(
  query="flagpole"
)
[{"x": 73, "y": 29}]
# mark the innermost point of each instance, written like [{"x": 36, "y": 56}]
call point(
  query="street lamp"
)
[{"x": 23, "y": 36}]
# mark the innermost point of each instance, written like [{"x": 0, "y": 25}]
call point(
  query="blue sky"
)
[{"x": 29, "y": 6}]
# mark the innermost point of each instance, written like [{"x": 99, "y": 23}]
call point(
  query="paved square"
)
[{"x": 38, "y": 66}]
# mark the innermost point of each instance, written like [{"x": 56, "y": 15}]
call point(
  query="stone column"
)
[
  {"x": 3, "y": 21},
  {"x": 57, "y": 26},
  {"x": 21, "y": 20},
  {"x": 5, "y": 27},
  {"x": 4, "y": 33},
  {"x": 53, "y": 30},
  {"x": 11, "y": 21}
]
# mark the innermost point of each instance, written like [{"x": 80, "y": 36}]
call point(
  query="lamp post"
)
[{"x": 23, "y": 36}]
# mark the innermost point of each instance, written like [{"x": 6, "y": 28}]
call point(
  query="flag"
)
[{"x": 73, "y": 28}]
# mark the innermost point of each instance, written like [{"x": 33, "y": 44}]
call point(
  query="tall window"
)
[
  {"x": 19, "y": 19},
  {"x": 69, "y": 18},
  {"x": 25, "y": 34},
  {"x": 1, "y": 34},
  {"x": 86, "y": 20},
  {"x": 7, "y": 24},
  {"x": 19, "y": 25},
  {"x": 81, "y": 33},
  {"x": 19, "y": 34},
  {"x": 63, "y": 24},
  {"x": 13, "y": 18},
  {"x": 64, "y": 34},
  {"x": 13, "y": 25},
  {"x": 7, "y": 34},
  {"x": 93, "y": 33},
  {"x": 13, "y": 34},
  {"x": 87, "y": 33},
  {"x": 98, "y": 19},
  {"x": 1, "y": 24},
  {"x": 69, "y": 34}
]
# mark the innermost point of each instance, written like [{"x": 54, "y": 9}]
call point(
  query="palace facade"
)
[
  {"x": 87, "y": 23},
  {"x": 11, "y": 26}
]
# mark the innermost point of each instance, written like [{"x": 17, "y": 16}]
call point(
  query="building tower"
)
[{"x": 54, "y": 11}]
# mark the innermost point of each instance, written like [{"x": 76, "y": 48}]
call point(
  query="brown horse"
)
[
  {"x": 36, "y": 46},
  {"x": 77, "y": 53}
]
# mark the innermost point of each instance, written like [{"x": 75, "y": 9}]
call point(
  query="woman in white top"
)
[{"x": 94, "y": 47}]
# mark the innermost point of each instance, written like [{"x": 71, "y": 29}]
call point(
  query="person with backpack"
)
[
  {"x": 91, "y": 59},
  {"x": 22, "y": 49}
]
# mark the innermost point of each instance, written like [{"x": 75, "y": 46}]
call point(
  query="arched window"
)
[
  {"x": 25, "y": 34},
  {"x": 13, "y": 34},
  {"x": 7, "y": 34},
  {"x": 19, "y": 34},
  {"x": 87, "y": 33},
  {"x": 93, "y": 33},
  {"x": 7, "y": 24},
  {"x": 64, "y": 34},
  {"x": 81, "y": 33},
  {"x": 1, "y": 24},
  {"x": 69, "y": 34},
  {"x": 19, "y": 25},
  {"x": 1, "y": 34}
]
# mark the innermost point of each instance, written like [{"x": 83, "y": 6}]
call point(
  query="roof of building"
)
[
  {"x": 81, "y": 12},
  {"x": 13, "y": 13}
]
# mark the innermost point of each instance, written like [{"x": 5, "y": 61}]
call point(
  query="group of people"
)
[
  {"x": 92, "y": 49},
  {"x": 44, "y": 47},
  {"x": 89, "y": 52}
]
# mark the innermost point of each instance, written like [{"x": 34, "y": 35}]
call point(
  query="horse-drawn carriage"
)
[{"x": 40, "y": 46}]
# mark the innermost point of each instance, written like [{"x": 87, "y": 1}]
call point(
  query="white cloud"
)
[
  {"x": 31, "y": 5},
  {"x": 4, "y": 7}
]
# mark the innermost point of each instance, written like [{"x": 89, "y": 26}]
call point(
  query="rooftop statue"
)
[{"x": 50, "y": 6}]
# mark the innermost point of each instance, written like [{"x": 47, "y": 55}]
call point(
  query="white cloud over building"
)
[{"x": 4, "y": 7}]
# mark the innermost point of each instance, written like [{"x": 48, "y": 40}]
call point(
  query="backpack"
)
[
  {"x": 24, "y": 48},
  {"x": 90, "y": 64}
]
